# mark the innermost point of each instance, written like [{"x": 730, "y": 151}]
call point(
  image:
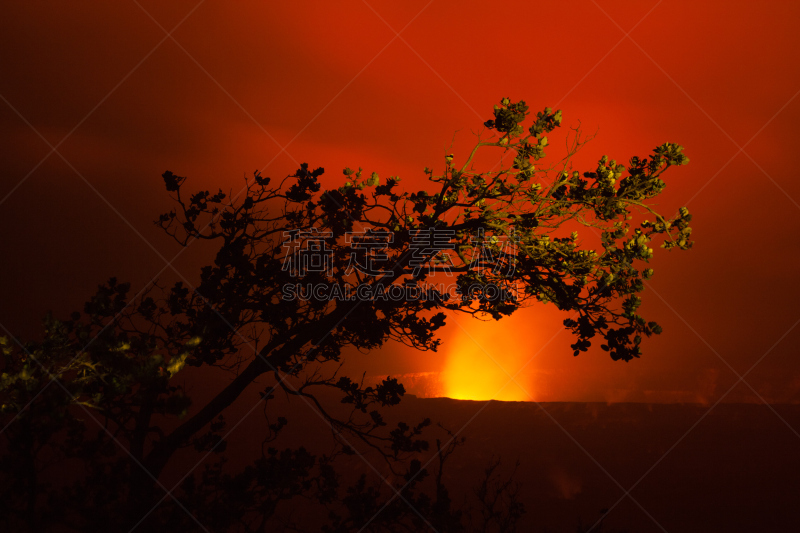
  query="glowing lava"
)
[{"x": 482, "y": 359}]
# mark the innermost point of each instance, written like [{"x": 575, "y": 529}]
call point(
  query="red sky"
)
[{"x": 267, "y": 86}]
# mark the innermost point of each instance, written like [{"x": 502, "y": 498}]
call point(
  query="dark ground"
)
[{"x": 731, "y": 468}]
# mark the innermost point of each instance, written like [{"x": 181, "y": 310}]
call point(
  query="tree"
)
[{"x": 300, "y": 275}]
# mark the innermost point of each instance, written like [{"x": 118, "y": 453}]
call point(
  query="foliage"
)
[{"x": 119, "y": 362}]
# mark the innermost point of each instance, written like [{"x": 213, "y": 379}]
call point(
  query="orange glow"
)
[
  {"x": 481, "y": 361},
  {"x": 273, "y": 84}
]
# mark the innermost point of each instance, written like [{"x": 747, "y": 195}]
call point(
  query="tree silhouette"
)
[{"x": 299, "y": 276}]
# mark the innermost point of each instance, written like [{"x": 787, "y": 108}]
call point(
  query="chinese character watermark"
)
[{"x": 309, "y": 251}]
